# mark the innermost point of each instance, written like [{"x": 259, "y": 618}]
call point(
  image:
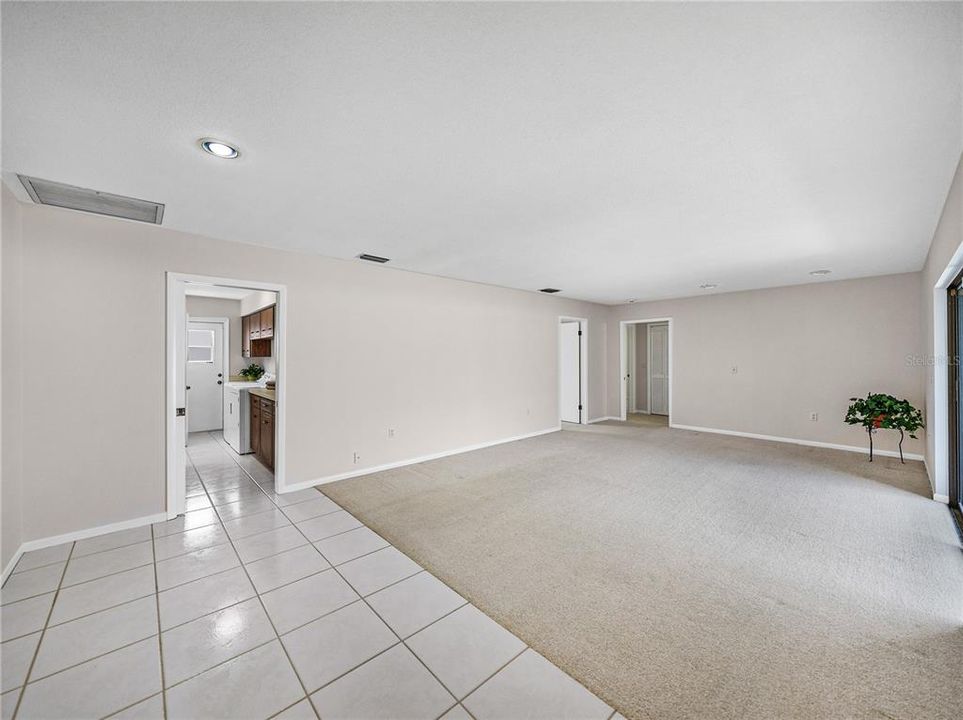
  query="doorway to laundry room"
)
[{"x": 225, "y": 383}]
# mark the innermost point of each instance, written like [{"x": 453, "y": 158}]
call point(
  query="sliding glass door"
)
[{"x": 954, "y": 315}]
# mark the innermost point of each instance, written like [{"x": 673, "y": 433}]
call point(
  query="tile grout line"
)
[
  {"x": 513, "y": 659},
  {"x": 95, "y": 657},
  {"x": 277, "y": 636},
  {"x": 362, "y": 555},
  {"x": 391, "y": 629},
  {"x": 138, "y": 702},
  {"x": 38, "y": 567},
  {"x": 94, "y": 612},
  {"x": 43, "y": 632},
  {"x": 160, "y": 638},
  {"x": 110, "y": 574},
  {"x": 400, "y": 640}
]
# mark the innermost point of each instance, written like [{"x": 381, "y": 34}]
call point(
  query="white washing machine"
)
[{"x": 237, "y": 415}]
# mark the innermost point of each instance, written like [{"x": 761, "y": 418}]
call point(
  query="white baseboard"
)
[
  {"x": 603, "y": 419},
  {"x": 945, "y": 499},
  {"x": 79, "y": 535},
  {"x": 413, "y": 461},
  {"x": 796, "y": 441}
]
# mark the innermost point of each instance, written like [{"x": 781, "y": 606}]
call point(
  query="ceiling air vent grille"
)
[
  {"x": 550, "y": 291},
  {"x": 47, "y": 192},
  {"x": 373, "y": 258}
]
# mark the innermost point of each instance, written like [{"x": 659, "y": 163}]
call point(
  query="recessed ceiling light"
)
[
  {"x": 218, "y": 148},
  {"x": 630, "y": 301},
  {"x": 820, "y": 272},
  {"x": 550, "y": 291},
  {"x": 708, "y": 286}
]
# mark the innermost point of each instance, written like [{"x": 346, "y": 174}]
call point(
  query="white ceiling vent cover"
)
[{"x": 47, "y": 192}]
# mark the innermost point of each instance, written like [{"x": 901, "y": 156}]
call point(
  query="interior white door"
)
[
  {"x": 205, "y": 353},
  {"x": 659, "y": 369},
  {"x": 570, "y": 372}
]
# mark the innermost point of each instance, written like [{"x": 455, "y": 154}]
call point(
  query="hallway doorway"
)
[{"x": 645, "y": 363}]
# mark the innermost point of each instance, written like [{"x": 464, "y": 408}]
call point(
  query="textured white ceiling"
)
[{"x": 612, "y": 150}]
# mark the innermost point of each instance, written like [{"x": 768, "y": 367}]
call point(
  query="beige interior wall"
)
[
  {"x": 946, "y": 241},
  {"x": 257, "y": 301},
  {"x": 797, "y": 349},
  {"x": 447, "y": 364},
  {"x": 11, "y": 478},
  {"x": 222, "y": 307}
]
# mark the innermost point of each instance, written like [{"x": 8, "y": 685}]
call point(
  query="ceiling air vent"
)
[
  {"x": 550, "y": 291},
  {"x": 373, "y": 258},
  {"x": 47, "y": 192}
]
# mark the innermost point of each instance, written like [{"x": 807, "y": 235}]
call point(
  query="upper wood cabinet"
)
[
  {"x": 257, "y": 333},
  {"x": 267, "y": 322},
  {"x": 246, "y": 336}
]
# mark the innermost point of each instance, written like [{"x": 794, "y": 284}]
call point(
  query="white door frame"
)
[
  {"x": 176, "y": 305},
  {"x": 582, "y": 365},
  {"x": 623, "y": 369},
  {"x": 939, "y": 472},
  {"x": 225, "y": 324}
]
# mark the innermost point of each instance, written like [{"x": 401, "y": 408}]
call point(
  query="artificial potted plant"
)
[
  {"x": 252, "y": 372},
  {"x": 878, "y": 410}
]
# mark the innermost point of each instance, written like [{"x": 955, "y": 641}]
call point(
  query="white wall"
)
[
  {"x": 198, "y": 306},
  {"x": 446, "y": 363},
  {"x": 257, "y": 300},
  {"x": 946, "y": 241},
  {"x": 798, "y": 349},
  {"x": 11, "y": 486}
]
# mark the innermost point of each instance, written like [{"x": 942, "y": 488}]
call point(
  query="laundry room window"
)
[{"x": 200, "y": 346}]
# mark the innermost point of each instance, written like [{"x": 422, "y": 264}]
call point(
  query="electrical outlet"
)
[
  {"x": 391, "y": 432},
  {"x": 356, "y": 458},
  {"x": 814, "y": 416}
]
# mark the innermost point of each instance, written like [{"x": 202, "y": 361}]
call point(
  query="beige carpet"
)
[{"x": 687, "y": 575}]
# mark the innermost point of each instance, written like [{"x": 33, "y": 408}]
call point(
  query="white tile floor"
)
[{"x": 255, "y": 605}]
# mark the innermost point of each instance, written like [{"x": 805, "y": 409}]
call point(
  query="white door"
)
[
  {"x": 205, "y": 352},
  {"x": 659, "y": 369},
  {"x": 570, "y": 372}
]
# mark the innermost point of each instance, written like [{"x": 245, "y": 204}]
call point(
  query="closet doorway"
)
[{"x": 646, "y": 377}]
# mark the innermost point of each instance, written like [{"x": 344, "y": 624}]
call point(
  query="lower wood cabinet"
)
[{"x": 262, "y": 430}]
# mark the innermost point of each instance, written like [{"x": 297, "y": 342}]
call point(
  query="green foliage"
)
[
  {"x": 877, "y": 410},
  {"x": 253, "y": 372}
]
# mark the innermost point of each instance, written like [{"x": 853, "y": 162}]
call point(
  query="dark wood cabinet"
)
[
  {"x": 257, "y": 333},
  {"x": 256, "y": 425},
  {"x": 262, "y": 430},
  {"x": 266, "y": 444},
  {"x": 267, "y": 322}
]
